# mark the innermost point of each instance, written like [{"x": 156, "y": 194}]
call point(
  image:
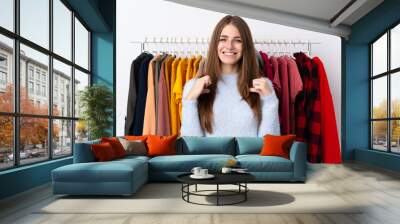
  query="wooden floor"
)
[{"x": 378, "y": 188}]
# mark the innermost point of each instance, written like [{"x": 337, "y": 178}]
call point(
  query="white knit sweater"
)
[{"x": 232, "y": 115}]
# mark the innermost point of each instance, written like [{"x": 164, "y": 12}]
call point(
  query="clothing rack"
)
[{"x": 194, "y": 45}]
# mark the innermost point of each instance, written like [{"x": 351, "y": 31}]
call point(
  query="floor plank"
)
[{"x": 376, "y": 189}]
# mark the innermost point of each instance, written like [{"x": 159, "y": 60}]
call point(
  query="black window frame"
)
[
  {"x": 388, "y": 74},
  {"x": 16, "y": 115}
]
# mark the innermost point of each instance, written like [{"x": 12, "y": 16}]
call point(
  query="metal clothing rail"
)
[{"x": 162, "y": 44}]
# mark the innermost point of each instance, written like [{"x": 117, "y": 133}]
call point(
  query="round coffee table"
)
[{"x": 238, "y": 179}]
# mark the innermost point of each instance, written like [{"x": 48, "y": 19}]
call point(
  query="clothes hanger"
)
[{"x": 196, "y": 47}]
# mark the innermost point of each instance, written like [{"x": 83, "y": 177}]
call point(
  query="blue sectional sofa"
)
[{"x": 125, "y": 176}]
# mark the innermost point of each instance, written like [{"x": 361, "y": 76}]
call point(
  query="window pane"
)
[
  {"x": 62, "y": 29},
  {"x": 6, "y": 142},
  {"x": 395, "y": 47},
  {"x": 379, "y": 55},
  {"x": 34, "y": 78},
  {"x": 395, "y": 132},
  {"x": 379, "y": 97},
  {"x": 6, "y": 74},
  {"x": 7, "y": 14},
  {"x": 33, "y": 139},
  {"x": 81, "y": 45},
  {"x": 81, "y": 81},
  {"x": 62, "y": 89},
  {"x": 62, "y": 133},
  {"x": 81, "y": 131},
  {"x": 395, "y": 95},
  {"x": 35, "y": 21},
  {"x": 379, "y": 135}
]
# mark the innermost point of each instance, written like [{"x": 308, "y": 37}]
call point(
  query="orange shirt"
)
[{"x": 149, "y": 123}]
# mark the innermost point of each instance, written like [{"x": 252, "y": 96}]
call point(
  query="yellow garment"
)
[
  {"x": 178, "y": 87},
  {"x": 175, "y": 122},
  {"x": 189, "y": 69},
  {"x": 149, "y": 122},
  {"x": 196, "y": 66}
]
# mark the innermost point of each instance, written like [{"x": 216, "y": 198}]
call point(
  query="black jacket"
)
[
  {"x": 140, "y": 105},
  {"x": 132, "y": 94}
]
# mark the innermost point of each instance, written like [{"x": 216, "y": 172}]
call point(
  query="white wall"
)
[{"x": 156, "y": 18}]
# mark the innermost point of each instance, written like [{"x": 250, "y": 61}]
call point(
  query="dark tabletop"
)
[{"x": 220, "y": 178}]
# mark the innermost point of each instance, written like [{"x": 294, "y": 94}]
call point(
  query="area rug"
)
[{"x": 167, "y": 198}]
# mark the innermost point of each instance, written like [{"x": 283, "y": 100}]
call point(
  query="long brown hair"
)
[{"x": 247, "y": 66}]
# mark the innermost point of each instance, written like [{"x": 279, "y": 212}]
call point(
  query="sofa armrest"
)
[
  {"x": 298, "y": 155},
  {"x": 83, "y": 152}
]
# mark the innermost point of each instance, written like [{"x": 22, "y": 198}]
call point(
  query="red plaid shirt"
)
[{"x": 308, "y": 108}]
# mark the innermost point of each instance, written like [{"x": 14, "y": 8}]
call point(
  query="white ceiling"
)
[
  {"x": 326, "y": 16},
  {"x": 320, "y": 9}
]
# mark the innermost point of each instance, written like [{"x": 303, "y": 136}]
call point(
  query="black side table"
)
[{"x": 239, "y": 179}]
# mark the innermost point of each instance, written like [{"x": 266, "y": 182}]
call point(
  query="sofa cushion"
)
[
  {"x": 93, "y": 172},
  {"x": 185, "y": 163},
  {"x": 111, "y": 171},
  {"x": 249, "y": 145},
  {"x": 132, "y": 158},
  {"x": 257, "y": 163},
  {"x": 190, "y": 145}
]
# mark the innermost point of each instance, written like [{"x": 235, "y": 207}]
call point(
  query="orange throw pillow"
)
[
  {"x": 134, "y": 138},
  {"x": 103, "y": 151},
  {"x": 277, "y": 145},
  {"x": 161, "y": 145},
  {"x": 116, "y": 145}
]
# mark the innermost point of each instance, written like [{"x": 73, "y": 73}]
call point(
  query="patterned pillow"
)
[{"x": 134, "y": 147}]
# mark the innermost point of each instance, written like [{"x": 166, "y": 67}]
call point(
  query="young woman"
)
[{"x": 230, "y": 98}]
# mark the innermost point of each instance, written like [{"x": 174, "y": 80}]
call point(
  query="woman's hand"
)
[
  {"x": 199, "y": 87},
  {"x": 261, "y": 86}
]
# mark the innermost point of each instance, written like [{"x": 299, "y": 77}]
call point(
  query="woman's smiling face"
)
[{"x": 230, "y": 45}]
